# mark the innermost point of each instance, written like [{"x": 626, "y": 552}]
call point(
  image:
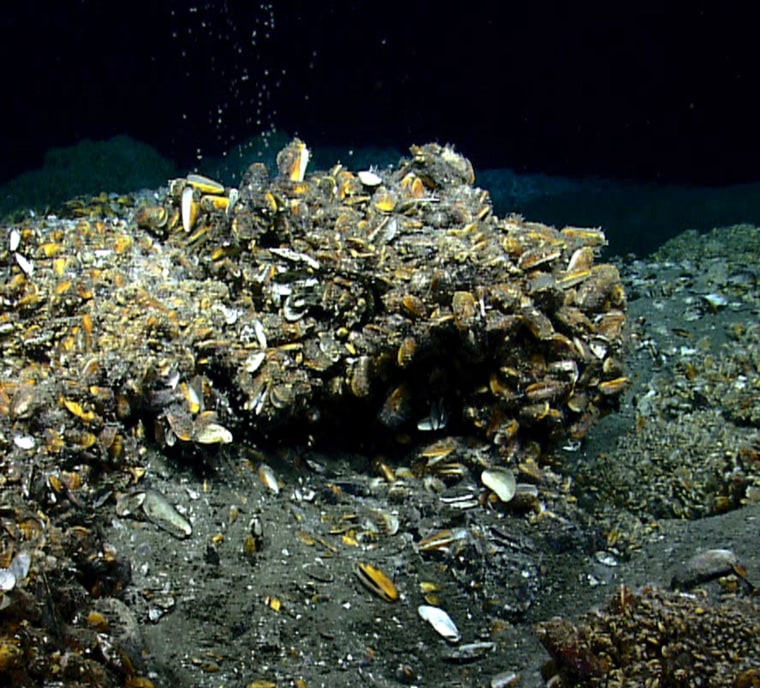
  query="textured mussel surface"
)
[
  {"x": 342, "y": 308},
  {"x": 304, "y": 304}
]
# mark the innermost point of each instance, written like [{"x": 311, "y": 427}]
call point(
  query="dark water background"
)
[{"x": 655, "y": 100}]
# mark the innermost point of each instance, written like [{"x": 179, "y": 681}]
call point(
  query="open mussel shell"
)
[
  {"x": 501, "y": 481},
  {"x": 440, "y": 621}
]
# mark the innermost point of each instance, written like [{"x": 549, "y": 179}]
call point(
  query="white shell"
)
[
  {"x": 501, "y": 481},
  {"x": 440, "y": 621},
  {"x": 24, "y": 441},
  {"x": 15, "y": 239},
  {"x": 7, "y": 580},
  {"x": 187, "y": 208},
  {"x": 158, "y": 510},
  {"x": 254, "y": 361},
  {"x": 369, "y": 178},
  {"x": 26, "y": 265},
  {"x": 261, "y": 335},
  {"x": 715, "y": 300}
]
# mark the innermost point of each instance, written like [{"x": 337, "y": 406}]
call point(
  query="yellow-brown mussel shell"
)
[{"x": 376, "y": 581}]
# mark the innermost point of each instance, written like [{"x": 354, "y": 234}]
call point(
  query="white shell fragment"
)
[
  {"x": 16, "y": 571},
  {"x": 296, "y": 256},
  {"x": 440, "y": 621},
  {"x": 501, "y": 481},
  {"x": 505, "y": 679},
  {"x": 469, "y": 652},
  {"x": 369, "y": 178},
  {"x": 261, "y": 335},
  {"x": 254, "y": 361}
]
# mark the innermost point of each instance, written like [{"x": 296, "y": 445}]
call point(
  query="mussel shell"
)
[
  {"x": 440, "y": 621},
  {"x": 158, "y": 510}
]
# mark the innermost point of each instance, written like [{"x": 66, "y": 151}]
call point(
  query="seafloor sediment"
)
[{"x": 248, "y": 432}]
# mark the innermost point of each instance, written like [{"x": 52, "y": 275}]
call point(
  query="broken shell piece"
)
[
  {"x": 24, "y": 441},
  {"x": 159, "y": 511},
  {"x": 469, "y": 652},
  {"x": 19, "y": 565},
  {"x": 254, "y": 361},
  {"x": 440, "y": 621},
  {"x": 25, "y": 264},
  {"x": 505, "y": 679},
  {"x": 437, "y": 419},
  {"x": 15, "y": 239},
  {"x": 376, "y": 581},
  {"x": 501, "y": 481}
]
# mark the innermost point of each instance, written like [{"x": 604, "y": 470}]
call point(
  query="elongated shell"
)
[
  {"x": 189, "y": 208},
  {"x": 440, "y": 621},
  {"x": 376, "y": 581}
]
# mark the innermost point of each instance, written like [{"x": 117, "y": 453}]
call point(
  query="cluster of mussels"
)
[
  {"x": 392, "y": 298},
  {"x": 653, "y": 637},
  {"x": 340, "y": 305}
]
